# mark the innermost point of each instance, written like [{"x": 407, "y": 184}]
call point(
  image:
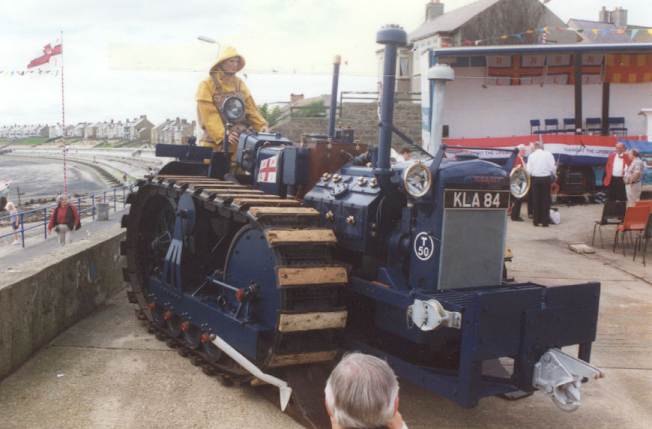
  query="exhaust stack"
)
[
  {"x": 333, "y": 106},
  {"x": 392, "y": 36},
  {"x": 438, "y": 75}
]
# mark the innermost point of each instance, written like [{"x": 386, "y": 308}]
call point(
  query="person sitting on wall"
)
[
  {"x": 362, "y": 392},
  {"x": 64, "y": 220},
  {"x": 221, "y": 84}
]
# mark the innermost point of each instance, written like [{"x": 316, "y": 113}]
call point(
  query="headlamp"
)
[
  {"x": 417, "y": 180},
  {"x": 519, "y": 182},
  {"x": 233, "y": 109}
]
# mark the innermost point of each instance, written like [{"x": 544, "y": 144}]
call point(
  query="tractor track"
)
[{"x": 310, "y": 314}]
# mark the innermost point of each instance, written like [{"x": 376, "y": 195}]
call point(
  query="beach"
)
[{"x": 44, "y": 177}]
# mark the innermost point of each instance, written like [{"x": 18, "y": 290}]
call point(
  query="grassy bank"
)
[
  {"x": 36, "y": 141},
  {"x": 27, "y": 141}
]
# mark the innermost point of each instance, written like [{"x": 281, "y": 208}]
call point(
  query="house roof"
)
[
  {"x": 606, "y": 32},
  {"x": 543, "y": 49},
  {"x": 451, "y": 21}
]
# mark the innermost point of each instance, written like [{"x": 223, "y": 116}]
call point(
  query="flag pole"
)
[{"x": 63, "y": 124}]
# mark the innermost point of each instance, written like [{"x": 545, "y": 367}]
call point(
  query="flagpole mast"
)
[{"x": 63, "y": 124}]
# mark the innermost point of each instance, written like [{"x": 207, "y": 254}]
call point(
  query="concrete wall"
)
[
  {"x": 292, "y": 128},
  {"x": 472, "y": 110},
  {"x": 48, "y": 294},
  {"x": 362, "y": 117}
]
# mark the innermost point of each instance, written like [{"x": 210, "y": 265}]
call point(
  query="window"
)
[{"x": 404, "y": 67}]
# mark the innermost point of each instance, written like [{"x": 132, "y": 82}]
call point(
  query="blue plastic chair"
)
[
  {"x": 535, "y": 123},
  {"x": 551, "y": 125},
  {"x": 593, "y": 124},
  {"x": 617, "y": 126},
  {"x": 569, "y": 125}
]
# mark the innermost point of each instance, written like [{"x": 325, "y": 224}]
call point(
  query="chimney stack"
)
[
  {"x": 619, "y": 17},
  {"x": 434, "y": 9},
  {"x": 295, "y": 98}
]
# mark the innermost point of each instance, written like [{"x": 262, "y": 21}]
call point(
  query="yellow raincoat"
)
[{"x": 209, "y": 118}]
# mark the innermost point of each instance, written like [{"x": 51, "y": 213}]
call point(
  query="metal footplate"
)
[{"x": 560, "y": 376}]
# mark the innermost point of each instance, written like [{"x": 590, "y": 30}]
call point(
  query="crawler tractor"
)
[{"x": 303, "y": 251}]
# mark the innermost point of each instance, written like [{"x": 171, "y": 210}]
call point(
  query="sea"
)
[{"x": 37, "y": 178}]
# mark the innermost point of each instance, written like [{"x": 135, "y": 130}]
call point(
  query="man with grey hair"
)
[
  {"x": 542, "y": 169},
  {"x": 362, "y": 392}
]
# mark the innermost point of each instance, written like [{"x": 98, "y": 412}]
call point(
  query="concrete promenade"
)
[{"x": 107, "y": 372}]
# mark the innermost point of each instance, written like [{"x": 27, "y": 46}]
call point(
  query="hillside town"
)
[{"x": 139, "y": 130}]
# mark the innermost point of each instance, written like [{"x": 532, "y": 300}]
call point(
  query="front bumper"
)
[{"x": 520, "y": 322}]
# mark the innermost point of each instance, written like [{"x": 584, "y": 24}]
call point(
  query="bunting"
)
[
  {"x": 543, "y": 32},
  {"x": 32, "y": 72},
  {"x": 555, "y": 69},
  {"x": 628, "y": 68}
]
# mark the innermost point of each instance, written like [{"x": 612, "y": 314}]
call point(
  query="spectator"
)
[
  {"x": 64, "y": 220},
  {"x": 542, "y": 169},
  {"x": 14, "y": 220},
  {"x": 519, "y": 161},
  {"x": 406, "y": 153},
  {"x": 362, "y": 392},
  {"x": 530, "y": 204},
  {"x": 614, "y": 173},
  {"x": 633, "y": 176}
]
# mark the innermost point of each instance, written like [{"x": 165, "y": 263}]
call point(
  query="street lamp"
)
[{"x": 208, "y": 40}]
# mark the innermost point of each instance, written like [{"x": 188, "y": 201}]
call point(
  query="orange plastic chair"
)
[
  {"x": 635, "y": 221},
  {"x": 644, "y": 203}
]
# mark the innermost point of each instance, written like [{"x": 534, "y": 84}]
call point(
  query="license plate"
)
[{"x": 471, "y": 199}]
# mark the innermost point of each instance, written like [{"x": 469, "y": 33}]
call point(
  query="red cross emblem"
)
[{"x": 267, "y": 170}]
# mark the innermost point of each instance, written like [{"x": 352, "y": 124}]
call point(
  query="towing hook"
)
[{"x": 560, "y": 376}]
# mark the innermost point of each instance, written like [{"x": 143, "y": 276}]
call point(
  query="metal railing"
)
[
  {"x": 373, "y": 96},
  {"x": 34, "y": 219}
]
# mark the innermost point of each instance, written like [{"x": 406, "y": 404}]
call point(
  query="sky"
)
[{"x": 123, "y": 58}]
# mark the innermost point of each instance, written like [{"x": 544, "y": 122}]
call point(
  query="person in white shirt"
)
[
  {"x": 614, "y": 173},
  {"x": 542, "y": 169}
]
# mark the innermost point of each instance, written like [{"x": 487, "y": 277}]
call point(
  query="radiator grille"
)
[{"x": 472, "y": 248}]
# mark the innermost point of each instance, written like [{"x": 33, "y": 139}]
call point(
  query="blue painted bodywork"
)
[
  {"x": 519, "y": 321},
  {"x": 399, "y": 249}
]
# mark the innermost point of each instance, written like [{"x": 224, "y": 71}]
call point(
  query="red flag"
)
[{"x": 48, "y": 51}]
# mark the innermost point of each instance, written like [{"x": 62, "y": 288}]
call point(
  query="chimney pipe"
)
[
  {"x": 434, "y": 9},
  {"x": 439, "y": 75},
  {"x": 619, "y": 17},
  {"x": 392, "y": 36},
  {"x": 333, "y": 106}
]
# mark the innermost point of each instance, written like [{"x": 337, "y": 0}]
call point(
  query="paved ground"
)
[{"x": 107, "y": 372}]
